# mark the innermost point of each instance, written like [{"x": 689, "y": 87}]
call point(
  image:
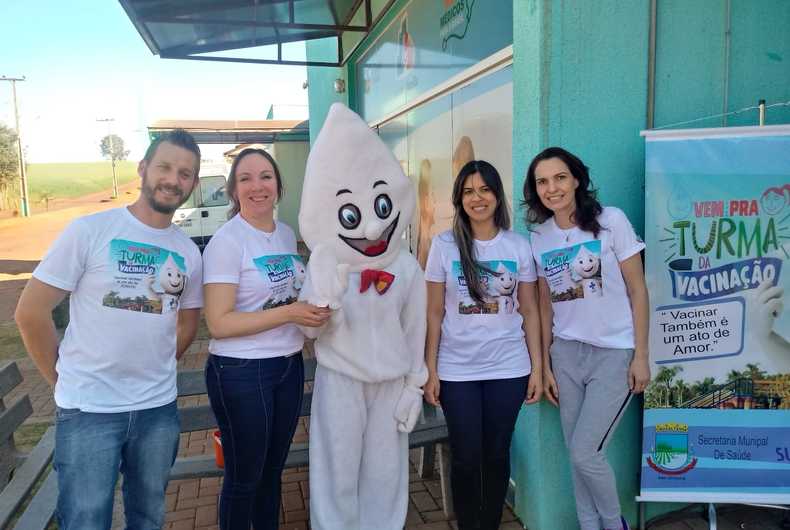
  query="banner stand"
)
[
  {"x": 716, "y": 426},
  {"x": 712, "y": 524}
]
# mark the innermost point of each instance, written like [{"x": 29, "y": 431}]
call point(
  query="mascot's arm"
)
[
  {"x": 413, "y": 320},
  {"x": 324, "y": 286},
  {"x": 329, "y": 279}
]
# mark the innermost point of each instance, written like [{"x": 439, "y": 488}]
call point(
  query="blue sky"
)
[{"x": 84, "y": 60}]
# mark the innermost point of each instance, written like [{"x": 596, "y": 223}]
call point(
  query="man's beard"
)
[{"x": 164, "y": 208}]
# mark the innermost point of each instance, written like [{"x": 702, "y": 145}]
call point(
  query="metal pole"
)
[
  {"x": 761, "y": 106},
  {"x": 20, "y": 152},
  {"x": 726, "y": 81},
  {"x": 651, "y": 65}
]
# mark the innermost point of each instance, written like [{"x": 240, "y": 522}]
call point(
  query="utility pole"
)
[
  {"x": 22, "y": 175},
  {"x": 112, "y": 155}
]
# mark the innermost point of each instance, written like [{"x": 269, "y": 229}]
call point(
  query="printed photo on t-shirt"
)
[
  {"x": 285, "y": 274},
  {"x": 146, "y": 278},
  {"x": 500, "y": 288},
  {"x": 574, "y": 272}
]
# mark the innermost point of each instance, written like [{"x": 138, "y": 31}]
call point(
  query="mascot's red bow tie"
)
[{"x": 381, "y": 280}]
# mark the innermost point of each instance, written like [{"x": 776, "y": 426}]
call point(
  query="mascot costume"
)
[{"x": 356, "y": 203}]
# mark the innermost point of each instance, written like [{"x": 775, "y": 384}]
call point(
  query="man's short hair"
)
[{"x": 178, "y": 137}]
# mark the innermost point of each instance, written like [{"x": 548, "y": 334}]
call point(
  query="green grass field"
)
[{"x": 67, "y": 180}]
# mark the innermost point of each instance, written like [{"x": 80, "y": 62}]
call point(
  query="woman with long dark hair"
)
[
  {"x": 254, "y": 375},
  {"x": 594, "y": 315},
  {"x": 483, "y": 341}
]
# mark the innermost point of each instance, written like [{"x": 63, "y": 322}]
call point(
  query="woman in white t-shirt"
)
[
  {"x": 254, "y": 375},
  {"x": 481, "y": 304},
  {"x": 594, "y": 314}
]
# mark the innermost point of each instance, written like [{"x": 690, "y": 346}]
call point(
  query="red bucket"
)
[{"x": 219, "y": 458}]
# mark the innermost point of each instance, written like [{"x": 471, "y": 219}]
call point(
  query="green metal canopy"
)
[{"x": 217, "y": 30}]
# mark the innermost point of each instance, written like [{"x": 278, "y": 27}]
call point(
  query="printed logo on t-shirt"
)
[
  {"x": 285, "y": 274},
  {"x": 574, "y": 272},
  {"x": 146, "y": 278},
  {"x": 500, "y": 288}
]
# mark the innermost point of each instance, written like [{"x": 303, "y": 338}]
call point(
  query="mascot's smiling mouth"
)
[{"x": 369, "y": 247}]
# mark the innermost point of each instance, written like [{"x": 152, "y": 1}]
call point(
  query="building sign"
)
[
  {"x": 717, "y": 227},
  {"x": 455, "y": 20}
]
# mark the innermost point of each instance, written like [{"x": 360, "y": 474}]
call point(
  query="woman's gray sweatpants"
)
[{"x": 593, "y": 389}]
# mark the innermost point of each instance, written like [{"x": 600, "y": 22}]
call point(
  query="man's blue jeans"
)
[
  {"x": 257, "y": 404},
  {"x": 92, "y": 448}
]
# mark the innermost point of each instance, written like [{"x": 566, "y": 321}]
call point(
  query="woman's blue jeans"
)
[
  {"x": 92, "y": 448},
  {"x": 257, "y": 404},
  {"x": 481, "y": 416}
]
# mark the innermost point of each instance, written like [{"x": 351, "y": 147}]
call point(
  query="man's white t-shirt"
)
[
  {"x": 127, "y": 282},
  {"x": 486, "y": 341},
  {"x": 588, "y": 292},
  {"x": 268, "y": 272}
]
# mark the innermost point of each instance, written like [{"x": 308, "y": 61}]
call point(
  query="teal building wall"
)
[
  {"x": 291, "y": 158},
  {"x": 320, "y": 85},
  {"x": 717, "y": 56},
  {"x": 580, "y": 80}
]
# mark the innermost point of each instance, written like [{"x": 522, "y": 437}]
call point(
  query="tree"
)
[
  {"x": 700, "y": 388},
  {"x": 112, "y": 148},
  {"x": 753, "y": 371},
  {"x": 664, "y": 377},
  {"x": 681, "y": 391},
  {"x": 9, "y": 168}
]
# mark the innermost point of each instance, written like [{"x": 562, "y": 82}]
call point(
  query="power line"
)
[{"x": 731, "y": 113}]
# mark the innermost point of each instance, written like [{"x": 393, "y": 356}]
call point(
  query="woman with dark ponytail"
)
[
  {"x": 594, "y": 319},
  {"x": 482, "y": 316}
]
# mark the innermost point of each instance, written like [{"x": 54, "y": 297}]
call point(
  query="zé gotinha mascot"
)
[{"x": 356, "y": 203}]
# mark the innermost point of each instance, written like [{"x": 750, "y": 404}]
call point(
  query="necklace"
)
[{"x": 567, "y": 233}]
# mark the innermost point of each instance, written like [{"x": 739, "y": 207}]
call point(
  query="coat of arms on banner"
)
[{"x": 670, "y": 454}]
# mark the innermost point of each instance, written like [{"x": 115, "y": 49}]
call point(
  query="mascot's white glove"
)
[
  {"x": 329, "y": 278},
  {"x": 407, "y": 411}
]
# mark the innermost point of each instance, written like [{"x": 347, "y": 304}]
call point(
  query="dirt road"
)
[{"x": 23, "y": 241}]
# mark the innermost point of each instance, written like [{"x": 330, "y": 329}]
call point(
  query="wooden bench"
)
[
  {"x": 430, "y": 432},
  {"x": 19, "y": 473}
]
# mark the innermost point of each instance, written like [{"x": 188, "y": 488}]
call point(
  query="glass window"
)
[
  {"x": 213, "y": 191},
  {"x": 193, "y": 200},
  {"x": 436, "y": 139},
  {"x": 426, "y": 44}
]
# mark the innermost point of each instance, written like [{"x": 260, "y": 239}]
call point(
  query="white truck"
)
[{"x": 207, "y": 207}]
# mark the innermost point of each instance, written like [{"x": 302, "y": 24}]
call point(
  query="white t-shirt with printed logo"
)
[
  {"x": 588, "y": 293},
  {"x": 127, "y": 282},
  {"x": 485, "y": 341},
  {"x": 268, "y": 272}
]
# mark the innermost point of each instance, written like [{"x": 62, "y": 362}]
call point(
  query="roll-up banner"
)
[{"x": 717, "y": 228}]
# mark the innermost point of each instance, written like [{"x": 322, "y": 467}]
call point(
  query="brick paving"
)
[{"x": 192, "y": 504}]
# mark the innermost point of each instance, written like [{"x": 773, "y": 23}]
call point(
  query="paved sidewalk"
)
[{"x": 192, "y": 504}]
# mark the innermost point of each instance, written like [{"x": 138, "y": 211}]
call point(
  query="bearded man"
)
[{"x": 114, "y": 372}]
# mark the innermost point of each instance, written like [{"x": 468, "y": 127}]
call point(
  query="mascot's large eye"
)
[
  {"x": 383, "y": 206},
  {"x": 349, "y": 216}
]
